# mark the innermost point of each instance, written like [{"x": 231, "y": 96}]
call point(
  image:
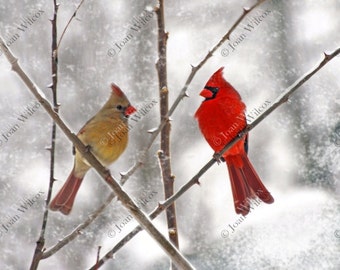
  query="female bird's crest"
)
[{"x": 116, "y": 90}]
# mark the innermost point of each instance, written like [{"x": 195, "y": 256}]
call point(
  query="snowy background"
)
[{"x": 296, "y": 150}]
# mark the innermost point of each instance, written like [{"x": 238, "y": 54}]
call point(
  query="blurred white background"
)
[{"x": 295, "y": 150}]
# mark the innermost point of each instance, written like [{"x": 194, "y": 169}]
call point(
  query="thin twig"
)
[
  {"x": 98, "y": 256},
  {"x": 68, "y": 24},
  {"x": 127, "y": 202},
  {"x": 77, "y": 231},
  {"x": 195, "y": 180},
  {"x": 54, "y": 67},
  {"x": 164, "y": 154},
  {"x": 91, "y": 217}
]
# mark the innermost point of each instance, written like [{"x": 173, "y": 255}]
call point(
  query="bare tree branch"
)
[
  {"x": 164, "y": 155},
  {"x": 39, "y": 250},
  {"x": 195, "y": 180},
  {"x": 68, "y": 24},
  {"x": 183, "y": 92},
  {"x": 98, "y": 256},
  {"x": 77, "y": 231},
  {"x": 128, "y": 203}
]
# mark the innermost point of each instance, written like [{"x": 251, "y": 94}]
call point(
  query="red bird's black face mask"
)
[{"x": 209, "y": 92}]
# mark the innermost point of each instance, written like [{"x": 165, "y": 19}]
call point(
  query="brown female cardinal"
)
[
  {"x": 221, "y": 117},
  {"x": 106, "y": 135}
]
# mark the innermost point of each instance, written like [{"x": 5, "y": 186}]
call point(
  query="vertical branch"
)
[
  {"x": 54, "y": 66},
  {"x": 164, "y": 153}
]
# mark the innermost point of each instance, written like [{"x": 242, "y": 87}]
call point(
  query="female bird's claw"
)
[{"x": 88, "y": 148}]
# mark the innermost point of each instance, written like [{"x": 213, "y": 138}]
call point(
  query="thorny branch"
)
[
  {"x": 164, "y": 154},
  {"x": 154, "y": 135},
  {"x": 40, "y": 247},
  {"x": 128, "y": 203},
  {"x": 195, "y": 179},
  {"x": 183, "y": 92}
]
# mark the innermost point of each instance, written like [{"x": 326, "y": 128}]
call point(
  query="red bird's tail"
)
[
  {"x": 64, "y": 200},
  {"x": 245, "y": 183}
]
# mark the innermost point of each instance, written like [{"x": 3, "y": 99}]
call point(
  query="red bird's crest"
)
[{"x": 218, "y": 86}]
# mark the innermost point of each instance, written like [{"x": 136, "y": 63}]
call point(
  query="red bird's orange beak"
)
[
  {"x": 206, "y": 93},
  {"x": 129, "y": 110}
]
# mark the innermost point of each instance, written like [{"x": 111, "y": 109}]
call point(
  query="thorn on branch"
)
[
  {"x": 197, "y": 181},
  {"x": 110, "y": 255},
  {"x": 246, "y": 10},
  {"x": 327, "y": 55},
  {"x": 107, "y": 173},
  {"x": 123, "y": 174},
  {"x": 160, "y": 154},
  {"x": 217, "y": 157},
  {"x": 151, "y": 131},
  {"x": 161, "y": 206},
  {"x": 164, "y": 90},
  {"x": 172, "y": 231}
]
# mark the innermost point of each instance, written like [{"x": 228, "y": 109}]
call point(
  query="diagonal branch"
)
[
  {"x": 127, "y": 202},
  {"x": 195, "y": 180},
  {"x": 183, "y": 92},
  {"x": 77, "y": 231},
  {"x": 68, "y": 24}
]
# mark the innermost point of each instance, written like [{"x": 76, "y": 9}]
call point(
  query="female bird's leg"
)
[{"x": 88, "y": 148}]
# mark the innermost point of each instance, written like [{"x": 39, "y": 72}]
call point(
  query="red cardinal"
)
[{"x": 221, "y": 117}]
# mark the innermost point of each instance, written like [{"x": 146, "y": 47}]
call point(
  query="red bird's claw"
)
[{"x": 218, "y": 158}]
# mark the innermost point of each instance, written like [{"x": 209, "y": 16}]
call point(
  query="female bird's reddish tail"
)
[
  {"x": 245, "y": 183},
  {"x": 64, "y": 200}
]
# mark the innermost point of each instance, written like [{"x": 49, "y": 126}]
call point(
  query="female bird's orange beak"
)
[{"x": 129, "y": 110}]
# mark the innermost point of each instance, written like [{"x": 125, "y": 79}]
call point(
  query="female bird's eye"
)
[{"x": 119, "y": 107}]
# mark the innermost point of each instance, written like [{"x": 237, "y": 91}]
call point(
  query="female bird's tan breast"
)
[{"x": 107, "y": 138}]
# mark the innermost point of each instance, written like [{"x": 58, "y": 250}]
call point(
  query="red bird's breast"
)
[{"x": 220, "y": 119}]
